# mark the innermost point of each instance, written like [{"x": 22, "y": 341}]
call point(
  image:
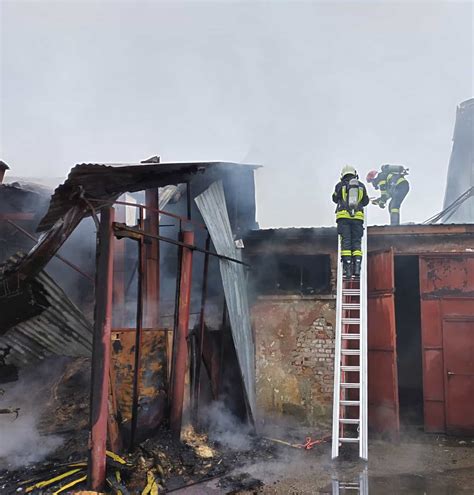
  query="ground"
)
[
  {"x": 43, "y": 441},
  {"x": 419, "y": 464}
]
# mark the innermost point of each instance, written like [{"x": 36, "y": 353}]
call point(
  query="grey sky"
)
[{"x": 301, "y": 87}]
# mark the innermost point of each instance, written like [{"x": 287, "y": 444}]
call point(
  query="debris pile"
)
[{"x": 159, "y": 465}]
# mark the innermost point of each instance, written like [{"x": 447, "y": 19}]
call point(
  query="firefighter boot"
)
[
  {"x": 394, "y": 216},
  {"x": 357, "y": 266},
  {"x": 347, "y": 267}
]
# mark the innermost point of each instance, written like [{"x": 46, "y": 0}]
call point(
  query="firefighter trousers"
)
[
  {"x": 351, "y": 232},
  {"x": 398, "y": 196}
]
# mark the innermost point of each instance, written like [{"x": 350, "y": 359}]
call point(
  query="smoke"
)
[
  {"x": 21, "y": 440},
  {"x": 270, "y": 82},
  {"x": 224, "y": 428}
]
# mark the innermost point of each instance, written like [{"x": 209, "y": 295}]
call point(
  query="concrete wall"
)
[{"x": 295, "y": 356}]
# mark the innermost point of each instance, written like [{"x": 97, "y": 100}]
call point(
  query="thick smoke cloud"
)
[
  {"x": 22, "y": 441},
  {"x": 302, "y": 87}
]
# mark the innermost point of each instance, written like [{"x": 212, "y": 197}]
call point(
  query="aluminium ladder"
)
[
  {"x": 349, "y": 421},
  {"x": 361, "y": 486}
]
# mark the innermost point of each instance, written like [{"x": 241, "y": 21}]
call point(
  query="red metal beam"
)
[
  {"x": 138, "y": 336},
  {"x": 180, "y": 339},
  {"x": 119, "y": 315},
  {"x": 200, "y": 340},
  {"x": 152, "y": 255},
  {"x": 101, "y": 352}
]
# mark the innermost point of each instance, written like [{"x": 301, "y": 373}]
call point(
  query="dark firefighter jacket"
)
[
  {"x": 339, "y": 197},
  {"x": 387, "y": 182}
]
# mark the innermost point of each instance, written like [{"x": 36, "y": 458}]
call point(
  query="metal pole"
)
[
  {"x": 119, "y": 298},
  {"x": 138, "y": 337},
  {"x": 188, "y": 200},
  {"x": 152, "y": 270},
  {"x": 64, "y": 260},
  {"x": 101, "y": 352},
  {"x": 180, "y": 338},
  {"x": 197, "y": 382}
]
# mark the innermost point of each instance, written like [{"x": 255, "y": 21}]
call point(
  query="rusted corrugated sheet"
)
[
  {"x": 212, "y": 205},
  {"x": 60, "y": 329},
  {"x": 107, "y": 182}
]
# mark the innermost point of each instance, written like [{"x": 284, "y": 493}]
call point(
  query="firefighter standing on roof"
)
[
  {"x": 393, "y": 186},
  {"x": 351, "y": 197}
]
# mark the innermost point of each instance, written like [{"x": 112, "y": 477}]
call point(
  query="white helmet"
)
[{"x": 348, "y": 169}]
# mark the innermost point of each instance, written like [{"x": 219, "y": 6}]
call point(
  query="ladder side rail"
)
[
  {"x": 363, "y": 394},
  {"x": 337, "y": 357}
]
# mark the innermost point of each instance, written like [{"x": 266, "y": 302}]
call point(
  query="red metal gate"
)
[
  {"x": 383, "y": 380},
  {"x": 447, "y": 315},
  {"x": 458, "y": 346}
]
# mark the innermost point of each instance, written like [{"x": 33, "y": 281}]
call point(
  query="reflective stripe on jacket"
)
[{"x": 387, "y": 183}]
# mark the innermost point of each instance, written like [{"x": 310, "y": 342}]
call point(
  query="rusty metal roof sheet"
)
[
  {"x": 60, "y": 329},
  {"x": 106, "y": 182}
]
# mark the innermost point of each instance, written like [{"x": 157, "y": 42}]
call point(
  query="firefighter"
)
[
  {"x": 351, "y": 197},
  {"x": 393, "y": 186}
]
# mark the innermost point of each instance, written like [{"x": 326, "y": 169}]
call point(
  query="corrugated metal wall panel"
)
[
  {"x": 60, "y": 330},
  {"x": 212, "y": 205}
]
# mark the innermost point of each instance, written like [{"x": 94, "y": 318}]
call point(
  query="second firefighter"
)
[{"x": 350, "y": 195}]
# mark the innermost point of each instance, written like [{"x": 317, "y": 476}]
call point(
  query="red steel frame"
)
[
  {"x": 101, "y": 353},
  {"x": 180, "y": 351}
]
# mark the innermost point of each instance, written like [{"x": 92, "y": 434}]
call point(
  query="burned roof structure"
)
[
  {"x": 104, "y": 183},
  {"x": 93, "y": 189}
]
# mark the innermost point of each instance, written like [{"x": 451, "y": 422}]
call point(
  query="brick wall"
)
[{"x": 295, "y": 356}]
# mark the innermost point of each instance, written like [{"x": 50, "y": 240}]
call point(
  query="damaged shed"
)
[
  {"x": 147, "y": 337},
  {"x": 420, "y": 328}
]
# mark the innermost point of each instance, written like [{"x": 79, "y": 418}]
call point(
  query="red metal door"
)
[
  {"x": 458, "y": 346},
  {"x": 382, "y": 350},
  {"x": 447, "y": 295}
]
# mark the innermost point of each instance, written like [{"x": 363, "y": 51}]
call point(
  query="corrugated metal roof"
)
[
  {"x": 212, "y": 205},
  {"x": 107, "y": 182},
  {"x": 61, "y": 329}
]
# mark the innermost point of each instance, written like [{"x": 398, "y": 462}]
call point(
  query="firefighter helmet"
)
[
  {"x": 371, "y": 175},
  {"x": 348, "y": 170}
]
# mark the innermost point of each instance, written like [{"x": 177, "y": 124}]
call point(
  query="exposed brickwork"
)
[
  {"x": 295, "y": 357},
  {"x": 314, "y": 355}
]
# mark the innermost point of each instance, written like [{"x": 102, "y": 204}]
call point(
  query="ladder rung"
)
[
  {"x": 349, "y": 440},
  {"x": 349, "y": 402},
  {"x": 350, "y": 385},
  {"x": 350, "y": 292},
  {"x": 351, "y": 321},
  {"x": 351, "y": 352},
  {"x": 351, "y": 336},
  {"x": 350, "y": 368},
  {"x": 349, "y": 421},
  {"x": 351, "y": 306}
]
